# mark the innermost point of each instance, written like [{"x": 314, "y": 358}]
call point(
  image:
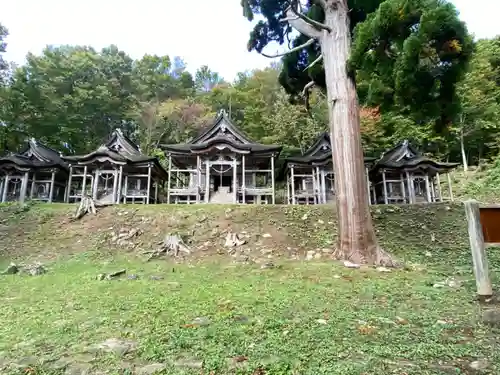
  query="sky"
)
[{"x": 195, "y": 30}]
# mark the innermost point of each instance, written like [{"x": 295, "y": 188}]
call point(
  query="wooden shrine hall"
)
[
  {"x": 404, "y": 175},
  {"x": 116, "y": 172},
  {"x": 37, "y": 173},
  {"x": 221, "y": 165},
  {"x": 310, "y": 177}
]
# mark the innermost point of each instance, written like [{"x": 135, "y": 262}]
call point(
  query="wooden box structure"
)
[
  {"x": 37, "y": 173},
  {"x": 116, "y": 172},
  {"x": 403, "y": 175},
  {"x": 221, "y": 165},
  {"x": 310, "y": 178}
]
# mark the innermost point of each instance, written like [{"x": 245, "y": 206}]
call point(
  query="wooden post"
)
[
  {"x": 5, "y": 188},
  {"x": 287, "y": 188},
  {"x": 84, "y": 182},
  {"x": 51, "y": 188},
  {"x": 243, "y": 181},
  {"x": 449, "y": 186},
  {"x": 120, "y": 181},
  {"x": 479, "y": 260},
  {"x": 115, "y": 185},
  {"x": 403, "y": 190},
  {"x": 386, "y": 199},
  {"x": 32, "y": 189},
  {"x": 24, "y": 187},
  {"x": 292, "y": 181},
  {"x": 438, "y": 183},
  {"x": 207, "y": 180},
  {"x": 427, "y": 188},
  {"x": 198, "y": 178},
  {"x": 411, "y": 194},
  {"x": 169, "y": 177},
  {"x": 235, "y": 182},
  {"x": 68, "y": 191},
  {"x": 96, "y": 184},
  {"x": 433, "y": 190},
  {"x": 318, "y": 185},
  {"x": 273, "y": 198},
  {"x": 148, "y": 186},
  {"x": 125, "y": 190},
  {"x": 323, "y": 185},
  {"x": 315, "y": 197}
]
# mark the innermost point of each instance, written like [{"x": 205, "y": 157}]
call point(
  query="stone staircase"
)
[{"x": 222, "y": 196}]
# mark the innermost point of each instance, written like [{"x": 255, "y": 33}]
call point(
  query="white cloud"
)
[{"x": 196, "y": 30}]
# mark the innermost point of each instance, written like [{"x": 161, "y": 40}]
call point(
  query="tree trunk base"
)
[{"x": 379, "y": 257}]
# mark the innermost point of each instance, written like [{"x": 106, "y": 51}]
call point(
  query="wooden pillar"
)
[
  {"x": 24, "y": 187},
  {"x": 384, "y": 183},
  {"x": 156, "y": 191},
  {"x": 235, "y": 182},
  {"x": 323, "y": 185},
  {"x": 68, "y": 189},
  {"x": 438, "y": 183},
  {"x": 5, "y": 188},
  {"x": 450, "y": 189},
  {"x": 292, "y": 181},
  {"x": 243, "y": 179},
  {"x": 120, "y": 181},
  {"x": 115, "y": 185},
  {"x": 125, "y": 190},
  {"x": 433, "y": 190},
  {"x": 313, "y": 175},
  {"x": 403, "y": 190},
  {"x": 368, "y": 185},
  {"x": 287, "y": 188},
  {"x": 427, "y": 188},
  {"x": 84, "y": 182},
  {"x": 51, "y": 188},
  {"x": 32, "y": 189},
  {"x": 169, "y": 177},
  {"x": 96, "y": 184},
  {"x": 318, "y": 185},
  {"x": 207, "y": 180},
  {"x": 479, "y": 259},
  {"x": 411, "y": 193},
  {"x": 273, "y": 198},
  {"x": 198, "y": 178},
  {"x": 148, "y": 187}
]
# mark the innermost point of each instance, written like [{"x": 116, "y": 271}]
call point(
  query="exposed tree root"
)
[{"x": 377, "y": 257}]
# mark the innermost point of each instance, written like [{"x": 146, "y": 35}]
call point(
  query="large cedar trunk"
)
[{"x": 356, "y": 235}]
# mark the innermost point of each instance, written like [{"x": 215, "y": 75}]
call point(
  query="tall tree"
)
[
  {"x": 415, "y": 48},
  {"x": 3, "y": 47},
  {"x": 206, "y": 79}
]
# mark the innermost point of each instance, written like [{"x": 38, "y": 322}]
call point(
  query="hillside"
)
[{"x": 255, "y": 309}]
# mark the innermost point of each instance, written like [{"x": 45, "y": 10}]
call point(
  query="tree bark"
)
[
  {"x": 357, "y": 241},
  {"x": 462, "y": 150}
]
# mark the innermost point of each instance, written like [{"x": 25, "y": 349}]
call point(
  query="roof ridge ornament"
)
[{"x": 222, "y": 112}]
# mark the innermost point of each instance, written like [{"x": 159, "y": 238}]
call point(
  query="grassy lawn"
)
[
  {"x": 301, "y": 318},
  {"x": 209, "y": 315}
]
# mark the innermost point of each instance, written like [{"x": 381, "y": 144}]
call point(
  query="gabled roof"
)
[
  {"x": 404, "y": 155},
  {"x": 35, "y": 155},
  {"x": 118, "y": 148},
  {"x": 221, "y": 134},
  {"x": 319, "y": 153}
]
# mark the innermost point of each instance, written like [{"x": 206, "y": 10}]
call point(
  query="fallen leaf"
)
[
  {"x": 366, "y": 329},
  {"x": 189, "y": 326},
  {"x": 240, "y": 358},
  {"x": 400, "y": 320}
]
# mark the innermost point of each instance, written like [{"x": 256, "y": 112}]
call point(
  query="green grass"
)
[{"x": 298, "y": 318}]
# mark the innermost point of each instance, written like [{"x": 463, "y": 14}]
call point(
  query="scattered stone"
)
[
  {"x": 266, "y": 235},
  {"x": 491, "y": 317},
  {"x": 151, "y": 369},
  {"x": 267, "y": 265},
  {"x": 232, "y": 240},
  {"x": 241, "y": 319},
  {"x": 321, "y": 222},
  {"x": 304, "y": 217},
  {"x": 109, "y": 276},
  {"x": 239, "y": 362},
  {"x": 12, "y": 269},
  {"x": 383, "y": 269},
  {"x": 349, "y": 264},
  {"x": 450, "y": 282},
  {"x": 25, "y": 362},
  {"x": 34, "y": 269},
  {"x": 317, "y": 256},
  {"x": 327, "y": 251},
  {"x": 78, "y": 369},
  {"x": 189, "y": 363},
  {"x": 479, "y": 365},
  {"x": 428, "y": 254},
  {"x": 133, "y": 277},
  {"x": 401, "y": 321},
  {"x": 310, "y": 254},
  {"x": 174, "y": 284},
  {"x": 117, "y": 346},
  {"x": 156, "y": 277},
  {"x": 321, "y": 321},
  {"x": 201, "y": 321}
]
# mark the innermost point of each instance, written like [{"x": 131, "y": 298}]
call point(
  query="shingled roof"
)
[
  {"x": 222, "y": 132},
  {"x": 35, "y": 155}
]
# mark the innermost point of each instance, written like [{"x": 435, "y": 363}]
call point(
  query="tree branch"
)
[
  {"x": 318, "y": 25},
  {"x": 314, "y": 62},
  {"x": 297, "y": 21},
  {"x": 298, "y": 48},
  {"x": 308, "y": 87}
]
